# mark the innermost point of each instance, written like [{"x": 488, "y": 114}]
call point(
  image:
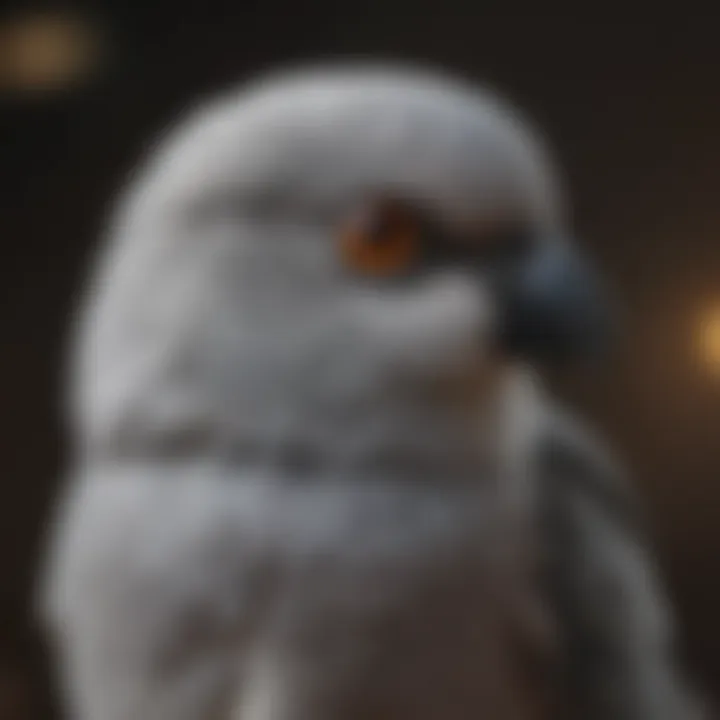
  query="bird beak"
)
[{"x": 553, "y": 307}]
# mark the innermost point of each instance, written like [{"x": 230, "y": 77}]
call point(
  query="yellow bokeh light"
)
[
  {"x": 46, "y": 52},
  {"x": 710, "y": 339}
]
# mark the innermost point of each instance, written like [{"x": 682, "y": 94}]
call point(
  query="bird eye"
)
[{"x": 384, "y": 240}]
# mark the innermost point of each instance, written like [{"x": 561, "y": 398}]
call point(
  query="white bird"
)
[{"x": 312, "y": 463}]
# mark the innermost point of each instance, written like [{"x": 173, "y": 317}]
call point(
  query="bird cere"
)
[{"x": 315, "y": 474}]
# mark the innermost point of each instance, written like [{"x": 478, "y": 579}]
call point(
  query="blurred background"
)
[{"x": 632, "y": 106}]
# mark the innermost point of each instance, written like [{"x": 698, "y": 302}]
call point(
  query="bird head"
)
[{"x": 330, "y": 247}]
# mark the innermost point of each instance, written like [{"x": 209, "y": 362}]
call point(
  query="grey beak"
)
[{"x": 554, "y": 307}]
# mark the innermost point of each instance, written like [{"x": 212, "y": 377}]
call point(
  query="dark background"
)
[{"x": 633, "y": 108}]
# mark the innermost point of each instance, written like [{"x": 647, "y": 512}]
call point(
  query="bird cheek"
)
[
  {"x": 444, "y": 321},
  {"x": 453, "y": 322}
]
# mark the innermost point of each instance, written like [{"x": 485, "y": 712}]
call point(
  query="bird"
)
[{"x": 315, "y": 473}]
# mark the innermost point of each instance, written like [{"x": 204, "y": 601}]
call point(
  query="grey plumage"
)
[
  {"x": 618, "y": 630},
  {"x": 296, "y": 495}
]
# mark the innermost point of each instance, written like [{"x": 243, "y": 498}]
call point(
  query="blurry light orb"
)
[
  {"x": 46, "y": 52},
  {"x": 710, "y": 339}
]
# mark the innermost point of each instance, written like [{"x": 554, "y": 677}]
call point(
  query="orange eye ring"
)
[{"x": 383, "y": 242}]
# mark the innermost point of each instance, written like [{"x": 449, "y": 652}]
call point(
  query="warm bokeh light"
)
[
  {"x": 42, "y": 53},
  {"x": 710, "y": 339}
]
